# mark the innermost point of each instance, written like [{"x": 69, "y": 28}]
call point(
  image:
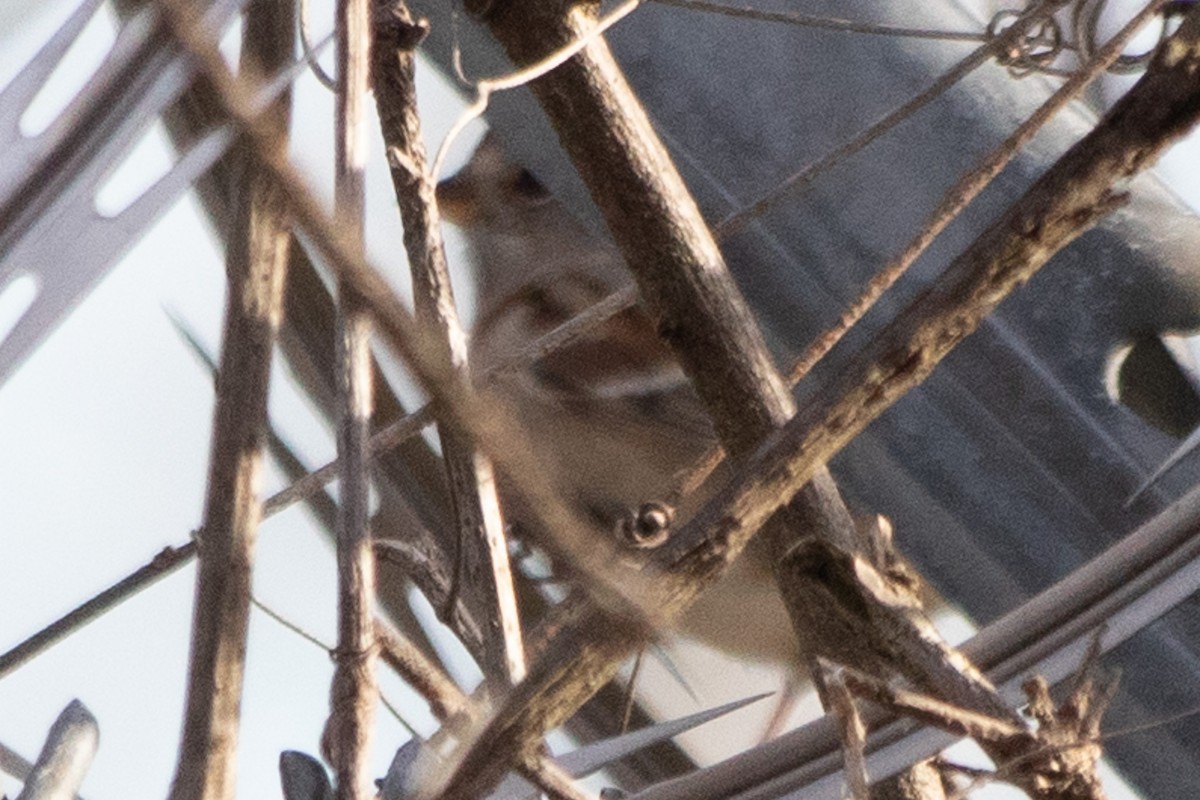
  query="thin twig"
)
[
  {"x": 853, "y": 730},
  {"x": 567, "y": 333},
  {"x": 257, "y": 261},
  {"x": 930, "y": 710},
  {"x": 1033, "y": 15},
  {"x": 346, "y": 741},
  {"x": 485, "y": 87},
  {"x": 329, "y": 650},
  {"x": 382, "y": 441},
  {"x": 310, "y": 53},
  {"x": 165, "y": 562},
  {"x": 631, "y": 688},
  {"x": 826, "y": 23},
  {"x": 418, "y": 558},
  {"x": 1068, "y": 199},
  {"x": 482, "y": 570},
  {"x": 291, "y": 627},
  {"x": 553, "y": 525}
]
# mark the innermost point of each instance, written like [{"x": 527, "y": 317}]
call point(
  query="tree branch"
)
[
  {"x": 482, "y": 571},
  {"x": 1060, "y": 206},
  {"x": 346, "y": 741},
  {"x": 256, "y": 263}
]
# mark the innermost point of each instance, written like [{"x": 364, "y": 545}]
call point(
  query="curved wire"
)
[
  {"x": 310, "y": 52},
  {"x": 1085, "y": 20}
]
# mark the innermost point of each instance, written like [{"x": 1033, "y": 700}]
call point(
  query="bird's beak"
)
[{"x": 456, "y": 200}]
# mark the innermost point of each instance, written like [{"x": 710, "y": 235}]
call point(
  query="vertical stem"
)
[
  {"x": 347, "y": 737},
  {"x": 483, "y": 574},
  {"x": 256, "y": 263}
]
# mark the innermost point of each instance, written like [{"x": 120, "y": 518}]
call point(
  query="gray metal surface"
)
[
  {"x": 1012, "y": 465},
  {"x": 50, "y": 227}
]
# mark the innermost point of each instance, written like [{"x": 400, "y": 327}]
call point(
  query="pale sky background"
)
[{"x": 103, "y": 450}]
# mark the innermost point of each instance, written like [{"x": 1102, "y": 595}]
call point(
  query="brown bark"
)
[
  {"x": 482, "y": 571},
  {"x": 1005, "y": 256},
  {"x": 1064, "y": 203},
  {"x": 346, "y": 741},
  {"x": 256, "y": 261}
]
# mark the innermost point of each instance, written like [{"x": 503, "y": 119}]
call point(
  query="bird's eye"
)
[{"x": 529, "y": 187}]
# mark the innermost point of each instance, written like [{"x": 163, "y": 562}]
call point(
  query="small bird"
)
[{"x": 612, "y": 413}]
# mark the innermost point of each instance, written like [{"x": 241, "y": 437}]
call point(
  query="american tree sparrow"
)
[{"x": 612, "y": 414}]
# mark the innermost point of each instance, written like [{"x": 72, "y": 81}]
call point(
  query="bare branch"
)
[
  {"x": 445, "y": 698},
  {"x": 482, "y": 571},
  {"x": 1034, "y": 15},
  {"x": 257, "y": 261},
  {"x": 346, "y": 741},
  {"x": 522, "y": 77},
  {"x": 381, "y": 441},
  {"x": 1065, "y": 202},
  {"x": 853, "y": 730},
  {"x": 930, "y": 710},
  {"x": 968, "y": 188}
]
